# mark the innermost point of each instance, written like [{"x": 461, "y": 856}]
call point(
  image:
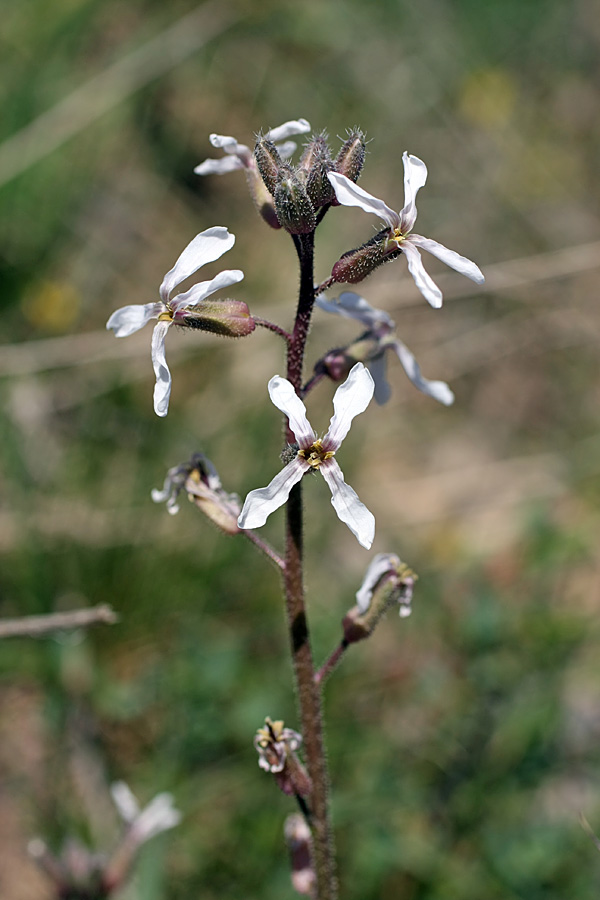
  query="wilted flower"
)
[
  {"x": 387, "y": 581},
  {"x": 398, "y": 235},
  {"x": 200, "y": 481},
  {"x": 388, "y": 566},
  {"x": 276, "y": 747},
  {"x": 239, "y": 156},
  {"x": 350, "y": 399},
  {"x": 380, "y": 337},
  {"x": 187, "y": 308}
]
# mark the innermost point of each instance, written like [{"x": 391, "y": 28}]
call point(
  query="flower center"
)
[
  {"x": 315, "y": 454},
  {"x": 398, "y": 236}
]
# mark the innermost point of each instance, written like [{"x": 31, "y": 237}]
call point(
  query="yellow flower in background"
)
[
  {"x": 52, "y": 306},
  {"x": 488, "y": 98}
]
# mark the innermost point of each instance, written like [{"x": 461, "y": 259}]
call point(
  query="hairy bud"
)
[
  {"x": 228, "y": 318},
  {"x": 269, "y": 163},
  {"x": 315, "y": 163},
  {"x": 355, "y": 265},
  {"x": 351, "y": 158},
  {"x": 294, "y": 210}
]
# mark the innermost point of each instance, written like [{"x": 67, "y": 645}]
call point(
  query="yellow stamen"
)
[{"x": 315, "y": 454}]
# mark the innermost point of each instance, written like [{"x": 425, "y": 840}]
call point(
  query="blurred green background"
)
[{"x": 464, "y": 742}]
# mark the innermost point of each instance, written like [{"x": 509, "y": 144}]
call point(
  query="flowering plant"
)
[{"x": 295, "y": 198}]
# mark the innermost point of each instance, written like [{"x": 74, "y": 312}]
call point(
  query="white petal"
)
[
  {"x": 285, "y": 398},
  {"x": 350, "y": 194},
  {"x": 294, "y": 126},
  {"x": 129, "y": 319},
  {"x": 286, "y": 149},
  {"x": 353, "y": 306},
  {"x": 199, "y": 292},
  {"x": 415, "y": 176},
  {"x": 345, "y": 501},
  {"x": 229, "y": 145},
  {"x": 450, "y": 257},
  {"x": 206, "y": 247},
  {"x": 259, "y": 504},
  {"x": 158, "y": 816},
  {"x": 439, "y": 390},
  {"x": 426, "y": 285},
  {"x": 377, "y": 367},
  {"x": 381, "y": 564},
  {"x": 162, "y": 388},
  {"x": 351, "y": 398},
  {"x": 123, "y": 798},
  {"x": 219, "y": 166}
]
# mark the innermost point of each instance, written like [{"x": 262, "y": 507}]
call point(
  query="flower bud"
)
[
  {"x": 294, "y": 209},
  {"x": 200, "y": 480},
  {"x": 336, "y": 364},
  {"x": 315, "y": 163},
  {"x": 351, "y": 158},
  {"x": 355, "y": 265},
  {"x": 276, "y": 746},
  {"x": 269, "y": 162},
  {"x": 228, "y": 318},
  {"x": 263, "y": 200},
  {"x": 387, "y": 581}
]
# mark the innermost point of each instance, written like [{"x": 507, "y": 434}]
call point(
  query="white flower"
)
[
  {"x": 401, "y": 225},
  {"x": 382, "y": 330},
  {"x": 206, "y": 247},
  {"x": 143, "y": 824},
  {"x": 350, "y": 399},
  {"x": 239, "y": 156}
]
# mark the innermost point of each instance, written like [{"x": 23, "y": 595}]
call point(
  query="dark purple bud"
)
[{"x": 336, "y": 364}]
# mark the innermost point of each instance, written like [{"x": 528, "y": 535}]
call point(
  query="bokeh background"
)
[{"x": 464, "y": 742}]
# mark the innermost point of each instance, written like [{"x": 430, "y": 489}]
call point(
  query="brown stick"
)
[{"x": 34, "y": 626}]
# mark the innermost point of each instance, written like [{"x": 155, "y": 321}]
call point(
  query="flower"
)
[
  {"x": 143, "y": 824},
  {"x": 274, "y": 743},
  {"x": 389, "y": 567},
  {"x": 239, "y": 156},
  {"x": 400, "y": 226},
  {"x": 381, "y": 330},
  {"x": 350, "y": 399},
  {"x": 200, "y": 480},
  {"x": 186, "y": 308}
]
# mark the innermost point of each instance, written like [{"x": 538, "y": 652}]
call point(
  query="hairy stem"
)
[
  {"x": 271, "y": 326},
  {"x": 330, "y": 664},
  {"x": 309, "y": 692}
]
